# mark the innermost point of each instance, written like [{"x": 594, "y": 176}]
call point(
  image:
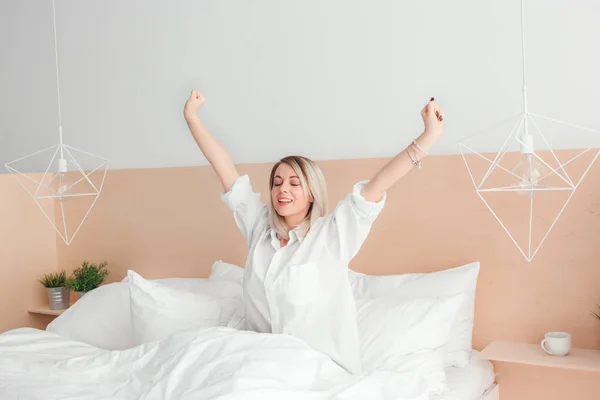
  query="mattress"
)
[{"x": 470, "y": 382}]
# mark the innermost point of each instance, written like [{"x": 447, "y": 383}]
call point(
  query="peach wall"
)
[
  {"x": 171, "y": 222},
  {"x": 27, "y": 251}
]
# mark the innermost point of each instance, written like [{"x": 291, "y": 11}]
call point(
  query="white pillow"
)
[
  {"x": 158, "y": 310},
  {"x": 238, "y": 319},
  {"x": 221, "y": 270},
  {"x": 224, "y": 282},
  {"x": 100, "y": 318},
  {"x": 454, "y": 281},
  {"x": 234, "y": 274},
  {"x": 390, "y": 328},
  {"x": 228, "y": 293}
]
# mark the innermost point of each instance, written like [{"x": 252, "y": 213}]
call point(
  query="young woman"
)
[{"x": 296, "y": 277}]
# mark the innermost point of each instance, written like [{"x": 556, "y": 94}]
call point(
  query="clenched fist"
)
[
  {"x": 433, "y": 116},
  {"x": 193, "y": 104}
]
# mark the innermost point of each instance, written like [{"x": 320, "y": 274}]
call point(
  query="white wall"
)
[{"x": 327, "y": 79}]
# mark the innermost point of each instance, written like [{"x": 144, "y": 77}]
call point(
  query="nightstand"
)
[
  {"x": 532, "y": 354},
  {"x": 45, "y": 310}
]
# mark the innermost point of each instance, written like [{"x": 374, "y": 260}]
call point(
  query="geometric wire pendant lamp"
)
[
  {"x": 529, "y": 177},
  {"x": 65, "y": 188}
]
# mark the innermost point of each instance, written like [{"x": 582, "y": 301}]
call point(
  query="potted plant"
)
[
  {"x": 58, "y": 293},
  {"x": 87, "y": 277}
]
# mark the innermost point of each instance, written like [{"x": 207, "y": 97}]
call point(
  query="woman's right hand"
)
[{"x": 193, "y": 104}]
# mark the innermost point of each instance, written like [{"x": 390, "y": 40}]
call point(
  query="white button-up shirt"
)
[{"x": 302, "y": 288}]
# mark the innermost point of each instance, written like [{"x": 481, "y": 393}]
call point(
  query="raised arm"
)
[
  {"x": 402, "y": 163},
  {"x": 214, "y": 152}
]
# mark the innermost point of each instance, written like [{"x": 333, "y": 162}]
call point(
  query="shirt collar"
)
[
  {"x": 293, "y": 236},
  {"x": 294, "y": 233}
]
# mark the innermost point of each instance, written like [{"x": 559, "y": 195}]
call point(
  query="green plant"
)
[
  {"x": 597, "y": 315},
  {"x": 55, "y": 280},
  {"x": 87, "y": 277}
]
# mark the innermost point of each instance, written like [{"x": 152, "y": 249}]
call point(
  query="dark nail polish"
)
[{"x": 432, "y": 99}]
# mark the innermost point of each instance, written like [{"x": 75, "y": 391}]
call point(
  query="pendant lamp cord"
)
[
  {"x": 57, "y": 79},
  {"x": 524, "y": 59}
]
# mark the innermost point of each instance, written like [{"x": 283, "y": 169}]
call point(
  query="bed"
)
[{"x": 135, "y": 339}]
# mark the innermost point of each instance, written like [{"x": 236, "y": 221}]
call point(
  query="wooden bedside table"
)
[
  {"x": 532, "y": 354},
  {"x": 41, "y": 316},
  {"x": 45, "y": 310}
]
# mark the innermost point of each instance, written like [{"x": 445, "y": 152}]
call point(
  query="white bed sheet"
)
[
  {"x": 208, "y": 364},
  {"x": 469, "y": 382}
]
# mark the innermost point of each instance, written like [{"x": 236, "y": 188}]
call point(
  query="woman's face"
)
[{"x": 288, "y": 195}]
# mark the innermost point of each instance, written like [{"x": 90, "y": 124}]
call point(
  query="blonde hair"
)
[{"x": 311, "y": 178}]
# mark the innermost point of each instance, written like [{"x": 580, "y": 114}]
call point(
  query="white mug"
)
[{"x": 557, "y": 343}]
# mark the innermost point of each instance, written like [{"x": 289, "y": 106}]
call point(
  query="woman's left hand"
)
[{"x": 433, "y": 116}]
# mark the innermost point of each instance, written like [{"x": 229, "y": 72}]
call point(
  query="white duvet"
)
[{"x": 209, "y": 363}]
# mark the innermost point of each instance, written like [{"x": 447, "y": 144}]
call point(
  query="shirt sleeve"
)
[
  {"x": 351, "y": 222},
  {"x": 248, "y": 210}
]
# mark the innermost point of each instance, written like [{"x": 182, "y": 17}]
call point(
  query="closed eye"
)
[{"x": 293, "y": 184}]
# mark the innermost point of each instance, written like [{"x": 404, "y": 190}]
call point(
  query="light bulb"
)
[
  {"x": 529, "y": 171},
  {"x": 62, "y": 183}
]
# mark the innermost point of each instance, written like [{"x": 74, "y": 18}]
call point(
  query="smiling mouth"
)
[{"x": 283, "y": 203}]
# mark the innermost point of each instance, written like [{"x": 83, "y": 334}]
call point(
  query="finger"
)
[
  {"x": 425, "y": 107},
  {"x": 431, "y": 107},
  {"x": 431, "y": 104}
]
